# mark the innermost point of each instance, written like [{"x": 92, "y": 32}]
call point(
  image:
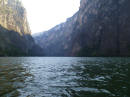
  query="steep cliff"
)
[
  {"x": 99, "y": 28},
  {"x": 13, "y": 16},
  {"x": 15, "y": 35}
]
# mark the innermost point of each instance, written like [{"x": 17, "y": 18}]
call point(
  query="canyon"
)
[{"x": 98, "y": 28}]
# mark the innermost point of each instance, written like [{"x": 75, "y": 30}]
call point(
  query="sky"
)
[{"x": 42, "y": 15}]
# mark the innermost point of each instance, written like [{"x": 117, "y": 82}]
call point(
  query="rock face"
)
[
  {"x": 15, "y": 35},
  {"x": 99, "y": 28}
]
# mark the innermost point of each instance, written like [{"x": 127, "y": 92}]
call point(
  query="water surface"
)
[{"x": 64, "y": 77}]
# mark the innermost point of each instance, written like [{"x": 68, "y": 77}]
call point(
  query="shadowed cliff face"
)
[
  {"x": 99, "y": 28},
  {"x": 15, "y": 38}
]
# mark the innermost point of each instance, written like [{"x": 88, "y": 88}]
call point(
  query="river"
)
[{"x": 64, "y": 77}]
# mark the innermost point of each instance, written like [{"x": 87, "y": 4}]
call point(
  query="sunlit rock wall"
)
[
  {"x": 15, "y": 34},
  {"x": 13, "y": 16}
]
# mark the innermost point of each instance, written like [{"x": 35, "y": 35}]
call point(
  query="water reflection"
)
[{"x": 64, "y": 77}]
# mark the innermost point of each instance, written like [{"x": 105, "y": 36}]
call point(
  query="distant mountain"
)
[
  {"x": 99, "y": 28},
  {"x": 15, "y": 34}
]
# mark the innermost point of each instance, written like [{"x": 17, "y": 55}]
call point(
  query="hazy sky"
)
[{"x": 45, "y": 14}]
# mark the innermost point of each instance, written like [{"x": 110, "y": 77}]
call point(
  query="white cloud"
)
[{"x": 44, "y": 14}]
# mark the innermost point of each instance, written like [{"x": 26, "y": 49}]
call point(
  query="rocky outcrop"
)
[
  {"x": 13, "y": 16},
  {"x": 15, "y": 35},
  {"x": 99, "y": 28}
]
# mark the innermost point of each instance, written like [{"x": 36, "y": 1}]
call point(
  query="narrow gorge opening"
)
[{"x": 45, "y": 14}]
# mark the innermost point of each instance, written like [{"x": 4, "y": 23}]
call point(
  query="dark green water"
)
[{"x": 64, "y": 77}]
